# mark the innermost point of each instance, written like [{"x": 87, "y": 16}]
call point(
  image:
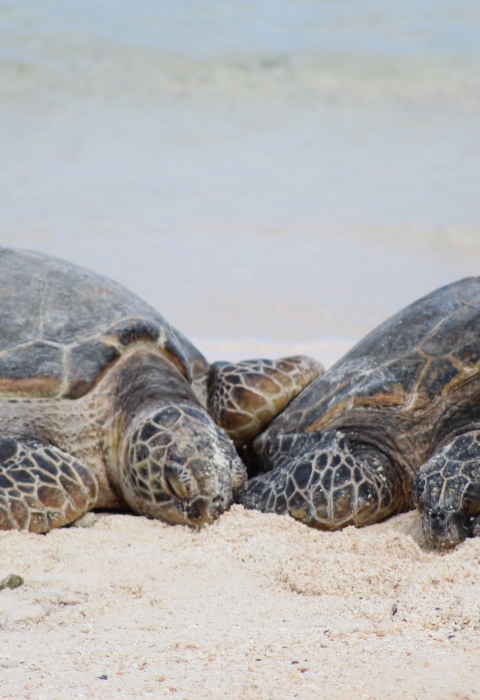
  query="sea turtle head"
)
[
  {"x": 179, "y": 466},
  {"x": 447, "y": 494}
]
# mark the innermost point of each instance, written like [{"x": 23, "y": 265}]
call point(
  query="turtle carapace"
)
[
  {"x": 103, "y": 403},
  {"x": 393, "y": 424}
]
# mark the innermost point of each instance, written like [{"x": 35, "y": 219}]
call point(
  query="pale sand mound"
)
[{"x": 255, "y": 606}]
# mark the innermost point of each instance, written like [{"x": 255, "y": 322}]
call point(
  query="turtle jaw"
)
[
  {"x": 444, "y": 529},
  {"x": 195, "y": 513},
  {"x": 196, "y": 510}
]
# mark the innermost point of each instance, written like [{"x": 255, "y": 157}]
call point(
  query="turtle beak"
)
[
  {"x": 198, "y": 510},
  {"x": 203, "y": 511},
  {"x": 444, "y": 529}
]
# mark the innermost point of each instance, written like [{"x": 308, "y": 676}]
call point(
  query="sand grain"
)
[{"x": 255, "y": 606}]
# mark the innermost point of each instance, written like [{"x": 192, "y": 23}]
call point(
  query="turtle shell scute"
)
[
  {"x": 407, "y": 368},
  {"x": 62, "y": 327},
  {"x": 133, "y": 330},
  {"x": 34, "y": 369},
  {"x": 88, "y": 363}
]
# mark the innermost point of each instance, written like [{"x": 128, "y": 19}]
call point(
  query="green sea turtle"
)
[
  {"x": 103, "y": 403},
  {"x": 393, "y": 424}
]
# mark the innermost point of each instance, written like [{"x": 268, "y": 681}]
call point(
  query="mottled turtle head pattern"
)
[
  {"x": 319, "y": 481},
  {"x": 447, "y": 492},
  {"x": 179, "y": 466}
]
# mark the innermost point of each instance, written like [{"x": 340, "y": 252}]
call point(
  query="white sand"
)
[{"x": 255, "y": 606}]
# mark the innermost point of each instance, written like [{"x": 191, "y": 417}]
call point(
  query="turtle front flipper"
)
[
  {"x": 41, "y": 487},
  {"x": 316, "y": 479},
  {"x": 244, "y": 397}
]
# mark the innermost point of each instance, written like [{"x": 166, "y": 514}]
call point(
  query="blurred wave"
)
[
  {"x": 416, "y": 50},
  {"x": 91, "y": 67}
]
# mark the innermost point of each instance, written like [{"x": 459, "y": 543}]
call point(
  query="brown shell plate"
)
[
  {"x": 62, "y": 327},
  {"x": 408, "y": 363}
]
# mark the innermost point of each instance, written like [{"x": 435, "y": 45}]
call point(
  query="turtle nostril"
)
[{"x": 437, "y": 516}]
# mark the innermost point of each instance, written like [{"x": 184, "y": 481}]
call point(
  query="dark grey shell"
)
[
  {"x": 62, "y": 327},
  {"x": 418, "y": 366}
]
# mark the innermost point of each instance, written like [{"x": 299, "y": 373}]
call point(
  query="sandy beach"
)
[{"x": 254, "y": 606}]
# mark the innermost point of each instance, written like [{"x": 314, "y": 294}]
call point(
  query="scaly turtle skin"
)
[
  {"x": 393, "y": 424},
  {"x": 103, "y": 403}
]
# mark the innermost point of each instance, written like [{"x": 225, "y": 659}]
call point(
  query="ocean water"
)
[{"x": 274, "y": 177}]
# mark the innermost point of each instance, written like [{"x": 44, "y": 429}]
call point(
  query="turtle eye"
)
[
  {"x": 419, "y": 490},
  {"x": 471, "y": 499}
]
